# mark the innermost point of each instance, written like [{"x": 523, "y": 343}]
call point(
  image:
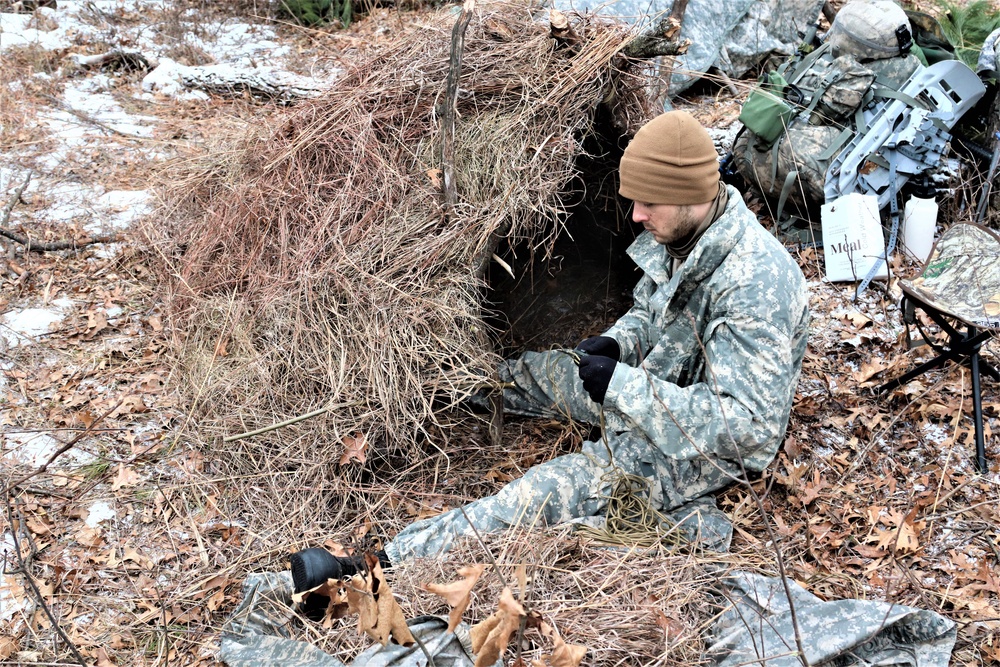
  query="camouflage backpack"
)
[{"x": 818, "y": 98}]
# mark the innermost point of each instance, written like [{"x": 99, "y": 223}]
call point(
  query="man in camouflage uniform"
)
[{"x": 692, "y": 385}]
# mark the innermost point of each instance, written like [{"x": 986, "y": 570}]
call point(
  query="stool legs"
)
[{"x": 977, "y": 415}]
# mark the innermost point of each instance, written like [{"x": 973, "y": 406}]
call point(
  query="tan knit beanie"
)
[{"x": 671, "y": 160}]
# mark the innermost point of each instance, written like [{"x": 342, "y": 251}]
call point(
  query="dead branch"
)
[
  {"x": 275, "y": 85},
  {"x": 451, "y": 99},
  {"x": 23, "y": 568},
  {"x": 39, "y": 246},
  {"x": 663, "y": 39},
  {"x": 561, "y": 30},
  {"x": 13, "y": 201},
  {"x": 128, "y": 60}
]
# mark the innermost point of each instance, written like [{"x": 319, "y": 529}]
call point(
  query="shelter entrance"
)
[{"x": 579, "y": 290}]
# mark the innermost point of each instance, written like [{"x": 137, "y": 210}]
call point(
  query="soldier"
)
[{"x": 693, "y": 386}]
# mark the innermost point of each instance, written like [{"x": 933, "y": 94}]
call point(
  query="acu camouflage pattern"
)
[
  {"x": 756, "y": 629},
  {"x": 256, "y": 635},
  {"x": 987, "y": 61},
  {"x": 809, "y": 144},
  {"x": 710, "y": 360},
  {"x": 734, "y": 36},
  {"x": 962, "y": 276}
]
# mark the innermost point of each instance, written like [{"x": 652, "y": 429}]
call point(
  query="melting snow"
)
[
  {"x": 22, "y": 326},
  {"x": 33, "y": 449},
  {"x": 99, "y": 512}
]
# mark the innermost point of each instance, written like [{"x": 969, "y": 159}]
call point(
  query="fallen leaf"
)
[
  {"x": 379, "y": 615},
  {"x": 671, "y": 627},
  {"x": 8, "y": 645},
  {"x": 355, "y": 447},
  {"x": 125, "y": 477},
  {"x": 566, "y": 655},
  {"x": 435, "y": 176},
  {"x": 563, "y": 654},
  {"x": 907, "y": 541},
  {"x": 89, "y": 537},
  {"x": 457, "y": 593},
  {"x": 130, "y": 405},
  {"x": 868, "y": 370},
  {"x": 85, "y": 417},
  {"x": 38, "y": 526},
  {"x": 102, "y": 658},
  {"x": 490, "y": 636}
]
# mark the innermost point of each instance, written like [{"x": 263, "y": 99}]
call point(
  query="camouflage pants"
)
[{"x": 573, "y": 486}]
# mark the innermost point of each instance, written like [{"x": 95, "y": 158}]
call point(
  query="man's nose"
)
[{"x": 639, "y": 213}]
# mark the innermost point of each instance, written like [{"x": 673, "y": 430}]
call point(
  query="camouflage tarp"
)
[
  {"x": 962, "y": 276},
  {"x": 256, "y": 635},
  {"x": 733, "y": 36},
  {"x": 757, "y": 627}
]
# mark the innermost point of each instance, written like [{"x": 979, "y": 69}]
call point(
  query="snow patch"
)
[
  {"x": 33, "y": 449},
  {"x": 99, "y": 512},
  {"x": 22, "y": 326}
]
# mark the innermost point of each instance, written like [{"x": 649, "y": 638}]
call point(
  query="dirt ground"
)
[{"x": 123, "y": 544}]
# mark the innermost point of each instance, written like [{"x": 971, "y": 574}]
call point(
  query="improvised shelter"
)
[{"x": 316, "y": 266}]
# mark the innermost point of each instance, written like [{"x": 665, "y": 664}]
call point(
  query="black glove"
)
[
  {"x": 596, "y": 372},
  {"x": 603, "y": 346}
]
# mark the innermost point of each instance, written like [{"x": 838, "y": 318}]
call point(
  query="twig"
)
[
  {"x": 23, "y": 567},
  {"x": 676, "y": 14},
  {"x": 87, "y": 118},
  {"x": 38, "y": 246},
  {"x": 496, "y": 568},
  {"x": 13, "y": 201},
  {"x": 289, "y": 422},
  {"x": 451, "y": 101}
]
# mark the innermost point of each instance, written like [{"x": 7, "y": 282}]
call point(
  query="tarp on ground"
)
[{"x": 734, "y": 36}]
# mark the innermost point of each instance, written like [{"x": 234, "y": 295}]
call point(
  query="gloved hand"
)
[
  {"x": 603, "y": 346},
  {"x": 596, "y": 372}
]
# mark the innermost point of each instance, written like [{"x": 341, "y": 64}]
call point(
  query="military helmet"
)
[{"x": 870, "y": 30}]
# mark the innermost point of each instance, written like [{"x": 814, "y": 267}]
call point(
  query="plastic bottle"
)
[{"x": 920, "y": 221}]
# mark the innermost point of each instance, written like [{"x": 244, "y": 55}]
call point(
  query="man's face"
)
[{"x": 668, "y": 223}]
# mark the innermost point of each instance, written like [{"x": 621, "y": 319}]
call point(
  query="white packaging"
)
[
  {"x": 852, "y": 238},
  {"x": 919, "y": 223}
]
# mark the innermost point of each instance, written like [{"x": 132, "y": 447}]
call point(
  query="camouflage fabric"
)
[
  {"x": 710, "y": 358},
  {"x": 734, "y": 36},
  {"x": 867, "y": 29},
  {"x": 962, "y": 276},
  {"x": 988, "y": 61},
  {"x": 256, "y": 635},
  {"x": 837, "y": 102},
  {"x": 757, "y": 627}
]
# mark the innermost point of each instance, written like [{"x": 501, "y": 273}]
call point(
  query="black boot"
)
[{"x": 312, "y": 567}]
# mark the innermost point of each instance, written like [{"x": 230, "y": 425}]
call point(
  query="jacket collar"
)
[{"x": 706, "y": 256}]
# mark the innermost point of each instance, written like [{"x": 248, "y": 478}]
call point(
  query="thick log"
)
[{"x": 663, "y": 39}]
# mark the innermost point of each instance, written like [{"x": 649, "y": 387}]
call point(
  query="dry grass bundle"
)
[
  {"x": 628, "y": 606},
  {"x": 312, "y": 265}
]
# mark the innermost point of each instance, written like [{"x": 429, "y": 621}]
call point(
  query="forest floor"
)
[{"x": 116, "y": 525}]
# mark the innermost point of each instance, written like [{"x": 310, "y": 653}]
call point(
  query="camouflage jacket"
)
[{"x": 711, "y": 355}]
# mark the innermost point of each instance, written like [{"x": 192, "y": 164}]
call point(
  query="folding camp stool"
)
[{"x": 959, "y": 284}]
